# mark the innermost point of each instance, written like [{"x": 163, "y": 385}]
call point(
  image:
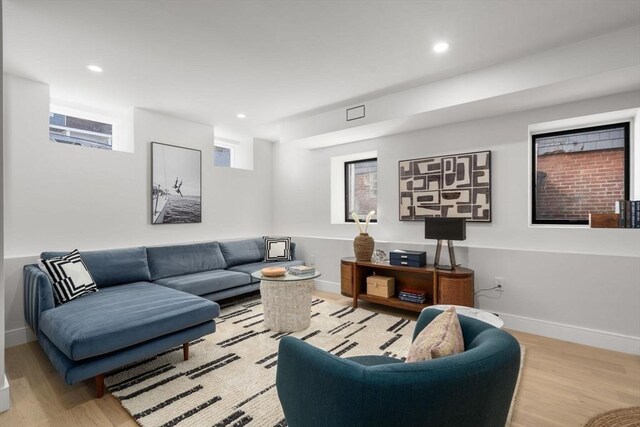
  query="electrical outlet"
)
[{"x": 498, "y": 282}]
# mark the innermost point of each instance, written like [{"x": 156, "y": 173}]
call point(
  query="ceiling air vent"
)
[{"x": 355, "y": 113}]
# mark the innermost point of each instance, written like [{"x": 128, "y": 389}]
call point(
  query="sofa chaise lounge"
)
[{"x": 149, "y": 300}]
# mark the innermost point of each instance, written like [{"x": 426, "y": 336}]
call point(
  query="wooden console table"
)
[{"x": 442, "y": 286}]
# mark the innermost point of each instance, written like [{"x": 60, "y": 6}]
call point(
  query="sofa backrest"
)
[
  {"x": 176, "y": 260},
  {"x": 110, "y": 267},
  {"x": 247, "y": 251},
  {"x": 244, "y": 251}
]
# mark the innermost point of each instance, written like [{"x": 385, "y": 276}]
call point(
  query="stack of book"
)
[
  {"x": 412, "y": 295},
  {"x": 302, "y": 270},
  {"x": 629, "y": 211}
]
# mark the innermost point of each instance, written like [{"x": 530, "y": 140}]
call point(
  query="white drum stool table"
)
[
  {"x": 485, "y": 316},
  {"x": 286, "y": 300}
]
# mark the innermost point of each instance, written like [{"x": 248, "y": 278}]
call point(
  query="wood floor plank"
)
[{"x": 563, "y": 384}]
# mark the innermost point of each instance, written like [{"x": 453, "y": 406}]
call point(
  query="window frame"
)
[
  {"x": 625, "y": 124},
  {"x": 232, "y": 153},
  {"x": 347, "y": 214}
]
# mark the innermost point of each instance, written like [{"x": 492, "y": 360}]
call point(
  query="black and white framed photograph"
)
[
  {"x": 176, "y": 177},
  {"x": 451, "y": 186}
]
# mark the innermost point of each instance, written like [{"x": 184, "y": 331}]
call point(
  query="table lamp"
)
[{"x": 448, "y": 229}]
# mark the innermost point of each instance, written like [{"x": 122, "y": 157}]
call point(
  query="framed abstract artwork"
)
[
  {"x": 456, "y": 185},
  {"x": 176, "y": 181}
]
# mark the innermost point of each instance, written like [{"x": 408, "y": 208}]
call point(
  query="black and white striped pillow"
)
[
  {"x": 277, "y": 248},
  {"x": 69, "y": 275}
]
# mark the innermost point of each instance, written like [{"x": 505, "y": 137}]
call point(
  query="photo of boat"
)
[{"x": 176, "y": 181}]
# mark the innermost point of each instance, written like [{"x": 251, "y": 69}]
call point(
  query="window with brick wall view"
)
[
  {"x": 578, "y": 172},
  {"x": 361, "y": 188}
]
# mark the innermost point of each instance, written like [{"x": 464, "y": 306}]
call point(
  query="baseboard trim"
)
[
  {"x": 326, "y": 286},
  {"x": 576, "y": 334},
  {"x": 18, "y": 336},
  {"x": 5, "y": 397}
]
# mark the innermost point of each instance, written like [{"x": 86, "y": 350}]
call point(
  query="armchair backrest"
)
[{"x": 473, "y": 388}]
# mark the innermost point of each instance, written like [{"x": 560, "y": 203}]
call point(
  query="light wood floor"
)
[{"x": 563, "y": 384}]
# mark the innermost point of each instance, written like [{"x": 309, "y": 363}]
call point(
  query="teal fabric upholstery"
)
[
  {"x": 244, "y": 251},
  {"x": 122, "y": 316},
  {"x": 112, "y": 267},
  {"x": 177, "y": 260},
  {"x": 255, "y": 266},
  {"x": 247, "y": 251},
  {"x": 469, "y": 389},
  {"x": 205, "y": 282},
  {"x": 232, "y": 292},
  {"x": 38, "y": 295},
  {"x": 75, "y": 371}
]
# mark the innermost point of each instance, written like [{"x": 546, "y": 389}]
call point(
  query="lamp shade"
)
[{"x": 445, "y": 228}]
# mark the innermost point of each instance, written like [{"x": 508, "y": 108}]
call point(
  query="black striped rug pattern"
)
[{"x": 229, "y": 379}]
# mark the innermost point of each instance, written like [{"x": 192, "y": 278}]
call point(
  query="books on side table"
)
[
  {"x": 412, "y": 295},
  {"x": 302, "y": 270}
]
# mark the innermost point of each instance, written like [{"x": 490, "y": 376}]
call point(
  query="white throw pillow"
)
[
  {"x": 277, "y": 248},
  {"x": 69, "y": 276}
]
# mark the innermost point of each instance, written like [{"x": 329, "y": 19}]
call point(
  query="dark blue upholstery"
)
[
  {"x": 205, "y": 282},
  {"x": 121, "y": 316},
  {"x": 244, "y": 251},
  {"x": 130, "y": 318},
  {"x": 471, "y": 389},
  {"x": 255, "y": 266},
  {"x": 111, "y": 267},
  {"x": 73, "y": 371},
  {"x": 247, "y": 251},
  {"x": 177, "y": 260}
]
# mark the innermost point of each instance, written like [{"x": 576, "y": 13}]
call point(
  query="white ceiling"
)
[{"x": 209, "y": 60}]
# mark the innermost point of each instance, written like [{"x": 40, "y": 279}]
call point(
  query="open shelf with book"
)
[{"x": 440, "y": 286}]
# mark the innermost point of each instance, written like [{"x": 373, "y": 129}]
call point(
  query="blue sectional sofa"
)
[{"x": 150, "y": 299}]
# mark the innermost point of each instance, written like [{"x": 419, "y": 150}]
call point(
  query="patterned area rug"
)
[{"x": 229, "y": 379}]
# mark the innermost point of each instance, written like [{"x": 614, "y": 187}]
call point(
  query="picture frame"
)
[
  {"x": 446, "y": 186},
  {"x": 176, "y": 184}
]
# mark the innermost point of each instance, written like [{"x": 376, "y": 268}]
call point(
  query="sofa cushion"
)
[
  {"x": 255, "y": 266},
  {"x": 205, "y": 282},
  {"x": 176, "y": 260},
  {"x": 121, "y": 316},
  {"x": 442, "y": 337},
  {"x": 245, "y": 251},
  {"x": 112, "y": 267}
]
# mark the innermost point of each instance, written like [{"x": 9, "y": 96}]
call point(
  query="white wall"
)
[
  {"x": 4, "y": 384},
  {"x": 579, "y": 280},
  {"x": 61, "y": 197}
]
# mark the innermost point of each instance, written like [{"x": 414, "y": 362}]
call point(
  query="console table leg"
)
[{"x": 185, "y": 351}]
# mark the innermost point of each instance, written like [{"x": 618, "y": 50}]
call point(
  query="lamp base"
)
[
  {"x": 444, "y": 267},
  {"x": 452, "y": 257}
]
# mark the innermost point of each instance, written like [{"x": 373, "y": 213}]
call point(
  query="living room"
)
[{"x": 288, "y": 94}]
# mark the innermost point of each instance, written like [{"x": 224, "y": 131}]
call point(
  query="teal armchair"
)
[{"x": 472, "y": 389}]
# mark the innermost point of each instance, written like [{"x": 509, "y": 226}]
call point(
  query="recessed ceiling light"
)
[
  {"x": 241, "y": 116},
  {"x": 441, "y": 47},
  {"x": 94, "y": 68}
]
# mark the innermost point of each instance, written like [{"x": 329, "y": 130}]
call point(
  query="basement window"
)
[
  {"x": 76, "y": 127},
  {"x": 224, "y": 154},
  {"x": 361, "y": 189},
  {"x": 579, "y": 171}
]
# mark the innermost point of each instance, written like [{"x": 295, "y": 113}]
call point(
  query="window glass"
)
[
  {"x": 221, "y": 156},
  {"x": 67, "y": 129},
  {"x": 361, "y": 188},
  {"x": 579, "y": 171}
]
